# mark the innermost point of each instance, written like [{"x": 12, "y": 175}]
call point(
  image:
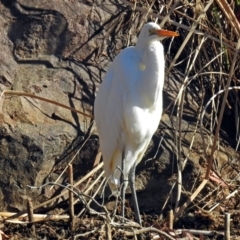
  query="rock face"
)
[
  {"x": 35, "y": 135},
  {"x": 60, "y": 50}
]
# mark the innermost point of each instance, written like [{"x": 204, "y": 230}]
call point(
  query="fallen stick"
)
[
  {"x": 195, "y": 232},
  {"x": 71, "y": 200},
  {"x": 227, "y": 226},
  {"x": 30, "y": 215},
  {"x": 170, "y": 219},
  {"x": 36, "y": 217}
]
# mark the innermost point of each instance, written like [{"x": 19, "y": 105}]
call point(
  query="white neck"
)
[{"x": 152, "y": 65}]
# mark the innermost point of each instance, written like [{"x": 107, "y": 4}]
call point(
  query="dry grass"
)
[{"x": 205, "y": 56}]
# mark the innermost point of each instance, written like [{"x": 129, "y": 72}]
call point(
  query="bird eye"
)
[{"x": 150, "y": 32}]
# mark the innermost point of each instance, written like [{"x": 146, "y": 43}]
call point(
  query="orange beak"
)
[{"x": 165, "y": 33}]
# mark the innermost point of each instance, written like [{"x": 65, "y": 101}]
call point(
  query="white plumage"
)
[{"x": 128, "y": 105}]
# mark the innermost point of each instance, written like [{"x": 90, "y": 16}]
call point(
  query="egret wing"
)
[{"x": 110, "y": 104}]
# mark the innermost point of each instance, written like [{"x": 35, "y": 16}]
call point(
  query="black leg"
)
[
  {"x": 133, "y": 189},
  {"x": 123, "y": 187}
]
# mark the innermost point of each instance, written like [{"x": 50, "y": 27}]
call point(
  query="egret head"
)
[{"x": 151, "y": 32}]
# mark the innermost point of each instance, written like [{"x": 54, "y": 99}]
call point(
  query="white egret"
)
[{"x": 128, "y": 108}]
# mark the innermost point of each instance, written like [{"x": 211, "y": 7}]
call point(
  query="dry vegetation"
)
[{"x": 205, "y": 60}]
